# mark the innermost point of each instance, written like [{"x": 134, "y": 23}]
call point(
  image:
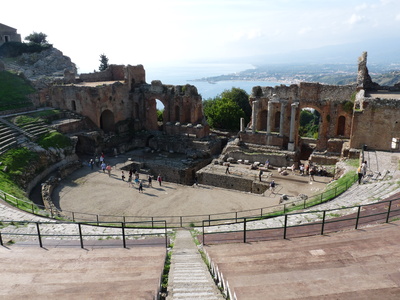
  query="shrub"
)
[{"x": 54, "y": 139}]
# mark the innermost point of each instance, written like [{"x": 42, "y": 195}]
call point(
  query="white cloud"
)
[{"x": 355, "y": 19}]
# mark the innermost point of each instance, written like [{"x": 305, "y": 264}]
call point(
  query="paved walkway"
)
[{"x": 189, "y": 277}]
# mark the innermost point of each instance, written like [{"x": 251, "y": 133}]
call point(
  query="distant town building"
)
[{"x": 8, "y": 34}]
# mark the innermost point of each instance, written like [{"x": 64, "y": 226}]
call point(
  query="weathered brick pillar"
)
[
  {"x": 292, "y": 126},
  {"x": 269, "y": 116},
  {"x": 254, "y": 116},
  {"x": 282, "y": 118}
]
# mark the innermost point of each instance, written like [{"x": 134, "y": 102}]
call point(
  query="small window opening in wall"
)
[
  {"x": 395, "y": 143},
  {"x": 6, "y": 38},
  {"x": 73, "y": 105}
]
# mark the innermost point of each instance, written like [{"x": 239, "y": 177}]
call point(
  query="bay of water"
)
[{"x": 188, "y": 74}]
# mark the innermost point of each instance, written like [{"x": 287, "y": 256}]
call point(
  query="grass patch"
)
[
  {"x": 14, "y": 91},
  {"x": 55, "y": 140}
]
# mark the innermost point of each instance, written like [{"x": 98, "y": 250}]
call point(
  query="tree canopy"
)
[
  {"x": 37, "y": 38},
  {"x": 226, "y": 110},
  {"x": 103, "y": 62}
]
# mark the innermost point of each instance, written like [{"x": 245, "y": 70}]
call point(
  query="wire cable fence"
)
[{"x": 186, "y": 220}]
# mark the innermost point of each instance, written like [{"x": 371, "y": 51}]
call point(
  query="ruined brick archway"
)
[{"x": 107, "y": 123}]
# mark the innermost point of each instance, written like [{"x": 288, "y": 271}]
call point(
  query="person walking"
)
[
  {"x": 150, "y": 179},
  {"x": 272, "y": 187},
  {"x": 103, "y": 166},
  {"x": 123, "y": 176},
  {"x": 360, "y": 174},
  {"x": 260, "y": 174},
  {"x": 159, "y": 179}
]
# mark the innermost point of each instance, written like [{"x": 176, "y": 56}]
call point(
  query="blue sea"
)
[{"x": 188, "y": 74}]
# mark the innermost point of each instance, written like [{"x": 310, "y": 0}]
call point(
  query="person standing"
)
[
  {"x": 123, "y": 176},
  {"x": 108, "y": 168},
  {"x": 260, "y": 174},
  {"x": 150, "y": 180},
  {"x": 159, "y": 179},
  {"x": 103, "y": 166},
  {"x": 227, "y": 169},
  {"x": 140, "y": 186},
  {"x": 272, "y": 187},
  {"x": 360, "y": 174}
]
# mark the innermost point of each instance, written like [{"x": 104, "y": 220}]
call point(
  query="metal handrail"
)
[
  {"x": 384, "y": 216},
  {"x": 123, "y": 235}
]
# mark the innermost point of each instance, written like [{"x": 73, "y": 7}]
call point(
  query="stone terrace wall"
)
[
  {"x": 113, "y": 72},
  {"x": 376, "y": 124}
]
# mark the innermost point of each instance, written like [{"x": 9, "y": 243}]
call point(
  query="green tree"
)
[
  {"x": 223, "y": 113},
  {"x": 103, "y": 62},
  {"x": 160, "y": 113},
  {"x": 37, "y": 38},
  {"x": 309, "y": 123},
  {"x": 241, "y": 98}
]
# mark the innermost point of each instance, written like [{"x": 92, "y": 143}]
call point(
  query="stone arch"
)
[
  {"x": 262, "y": 120},
  {"x": 312, "y": 109},
  {"x": 277, "y": 120},
  {"x": 107, "y": 122},
  {"x": 177, "y": 113},
  {"x": 151, "y": 113},
  {"x": 136, "y": 111},
  {"x": 341, "y": 126}
]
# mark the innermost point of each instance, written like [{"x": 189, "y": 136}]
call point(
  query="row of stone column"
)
[{"x": 282, "y": 117}]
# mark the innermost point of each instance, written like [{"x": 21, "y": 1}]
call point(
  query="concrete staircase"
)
[{"x": 189, "y": 277}]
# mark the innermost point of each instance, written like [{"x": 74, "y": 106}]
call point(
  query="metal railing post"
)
[
  {"x": 323, "y": 223},
  {"x": 123, "y": 234},
  {"x": 358, "y": 216},
  {"x": 39, "y": 237},
  {"x": 236, "y": 216},
  {"x": 97, "y": 219},
  {"x": 209, "y": 220},
  {"x": 284, "y": 229},
  {"x": 80, "y": 234},
  {"x": 388, "y": 213},
  {"x": 261, "y": 213},
  {"x": 152, "y": 222},
  {"x": 244, "y": 230},
  {"x": 166, "y": 234},
  {"x": 73, "y": 216},
  {"x": 1, "y": 240},
  {"x": 181, "y": 220},
  {"x": 202, "y": 225}
]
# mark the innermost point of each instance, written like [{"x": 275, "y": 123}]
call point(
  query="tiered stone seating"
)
[
  {"x": 8, "y": 138},
  {"x": 35, "y": 128},
  {"x": 357, "y": 264},
  {"x": 74, "y": 273}
]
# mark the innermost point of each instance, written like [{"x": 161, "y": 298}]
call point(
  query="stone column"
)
[
  {"x": 292, "y": 123},
  {"x": 269, "y": 116},
  {"x": 241, "y": 124},
  {"x": 281, "y": 123},
  {"x": 254, "y": 116}
]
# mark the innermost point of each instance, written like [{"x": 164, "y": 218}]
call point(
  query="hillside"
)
[{"x": 13, "y": 91}]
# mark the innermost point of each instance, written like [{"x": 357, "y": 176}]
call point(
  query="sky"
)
[{"x": 158, "y": 33}]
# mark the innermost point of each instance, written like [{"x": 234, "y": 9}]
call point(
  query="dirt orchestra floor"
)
[{"x": 92, "y": 191}]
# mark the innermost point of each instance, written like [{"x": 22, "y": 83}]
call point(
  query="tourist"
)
[
  {"x": 140, "y": 187},
  {"x": 150, "y": 179},
  {"x": 136, "y": 177},
  {"x": 196, "y": 182},
  {"x": 159, "y": 179},
  {"x": 102, "y": 158},
  {"x": 108, "y": 168},
  {"x": 130, "y": 180},
  {"x": 267, "y": 164},
  {"x": 312, "y": 173},
  {"x": 364, "y": 168},
  {"x": 301, "y": 170},
  {"x": 360, "y": 174},
  {"x": 103, "y": 166},
  {"x": 97, "y": 161},
  {"x": 91, "y": 163},
  {"x": 227, "y": 169},
  {"x": 123, "y": 176},
  {"x": 260, "y": 174},
  {"x": 272, "y": 187}
]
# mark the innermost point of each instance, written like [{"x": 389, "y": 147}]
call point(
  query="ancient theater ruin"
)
[{"x": 120, "y": 103}]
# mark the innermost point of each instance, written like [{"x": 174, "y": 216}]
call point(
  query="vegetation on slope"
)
[{"x": 13, "y": 91}]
